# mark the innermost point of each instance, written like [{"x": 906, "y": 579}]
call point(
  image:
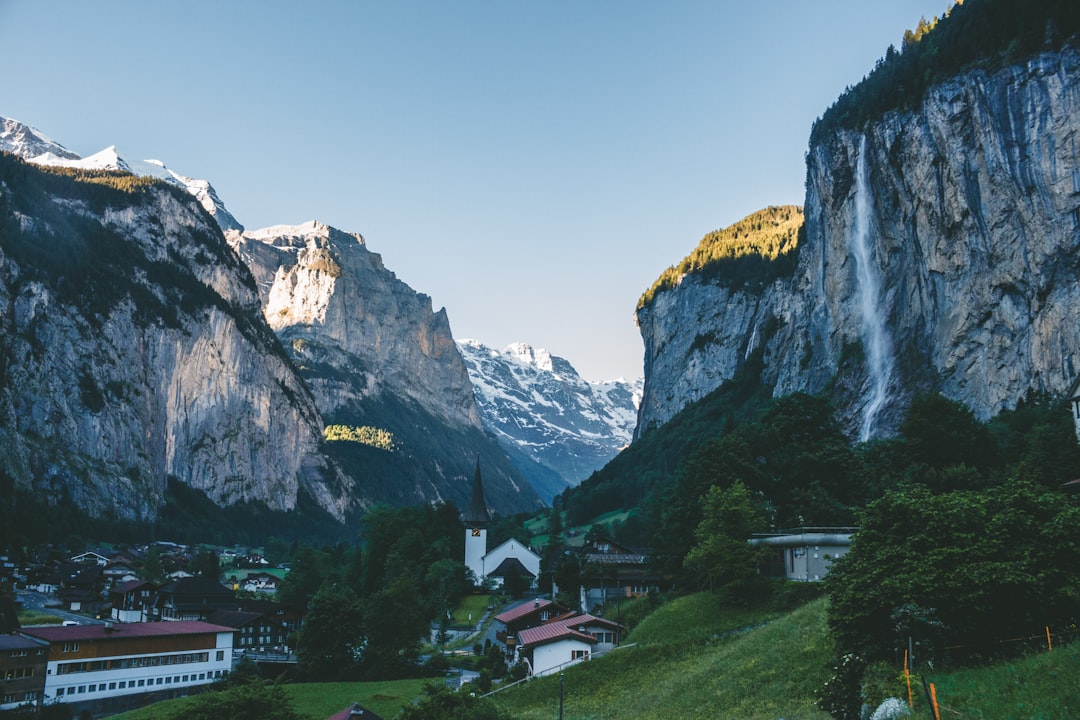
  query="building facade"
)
[{"x": 92, "y": 666}]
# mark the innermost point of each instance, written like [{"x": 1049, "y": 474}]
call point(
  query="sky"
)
[{"x": 531, "y": 166}]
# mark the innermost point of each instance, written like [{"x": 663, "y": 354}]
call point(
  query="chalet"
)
[
  {"x": 613, "y": 571},
  {"x": 103, "y": 669},
  {"x": 191, "y": 599},
  {"x": 90, "y": 557},
  {"x": 262, "y": 582},
  {"x": 804, "y": 553},
  {"x": 279, "y": 615},
  {"x": 522, "y": 616},
  {"x": 23, "y": 663},
  {"x": 82, "y": 585},
  {"x": 116, "y": 573},
  {"x": 512, "y": 560},
  {"x": 251, "y": 630},
  {"x": 131, "y": 601}
]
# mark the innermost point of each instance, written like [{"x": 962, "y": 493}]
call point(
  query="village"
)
[{"x": 100, "y": 637}]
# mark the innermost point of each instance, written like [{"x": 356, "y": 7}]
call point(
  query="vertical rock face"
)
[
  {"x": 974, "y": 233},
  {"x": 331, "y": 301},
  {"x": 133, "y": 350},
  {"x": 374, "y": 353}
]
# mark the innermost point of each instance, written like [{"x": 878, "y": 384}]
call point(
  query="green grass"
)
[
  {"x": 1041, "y": 686},
  {"x": 697, "y": 617},
  {"x": 317, "y": 701},
  {"x": 321, "y": 700},
  {"x": 474, "y": 605},
  {"x": 767, "y": 673},
  {"x": 37, "y": 617}
]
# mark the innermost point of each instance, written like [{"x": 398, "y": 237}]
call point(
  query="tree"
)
[
  {"x": 723, "y": 553},
  {"x": 396, "y": 622},
  {"x": 206, "y": 563},
  {"x": 332, "y": 639},
  {"x": 972, "y": 567}
]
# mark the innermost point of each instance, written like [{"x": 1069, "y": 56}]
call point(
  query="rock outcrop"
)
[
  {"x": 133, "y": 351},
  {"x": 973, "y": 231}
]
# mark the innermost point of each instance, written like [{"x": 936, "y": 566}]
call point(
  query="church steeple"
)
[{"x": 477, "y": 514}]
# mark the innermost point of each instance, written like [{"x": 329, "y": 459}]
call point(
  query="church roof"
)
[
  {"x": 477, "y": 514},
  {"x": 511, "y": 567}
]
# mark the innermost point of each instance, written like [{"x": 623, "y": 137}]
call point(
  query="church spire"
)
[{"x": 477, "y": 514}]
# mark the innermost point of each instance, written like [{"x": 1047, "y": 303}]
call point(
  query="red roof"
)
[
  {"x": 522, "y": 610},
  {"x": 550, "y": 633},
  {"x": 123, "y": 630}
]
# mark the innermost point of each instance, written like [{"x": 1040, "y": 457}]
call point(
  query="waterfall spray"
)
[{"x": 876, "y": 343}]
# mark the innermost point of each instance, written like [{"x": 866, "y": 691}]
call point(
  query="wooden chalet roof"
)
[{"x": 70, "y": 633}]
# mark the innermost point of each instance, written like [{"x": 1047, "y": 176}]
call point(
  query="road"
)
[{"x": 31, "y": 600}]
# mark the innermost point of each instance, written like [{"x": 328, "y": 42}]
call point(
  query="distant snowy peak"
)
[
  {"x": 34, "y": 146},
  {"x": 538, "y": 404},
  {"x": 27, "y": 142}
]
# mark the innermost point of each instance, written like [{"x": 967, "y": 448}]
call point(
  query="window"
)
[
  {"x": 31, "y": 695},
  {"x": 220, "y": 655},
  {"x": 82, "y": 689},
  {"x": 168, "y": 680},
  {"x": 112, "y": 686},
  {"x": 92, "y": 688},
  {"x": 18, "y": 653},
  {"x": 142, "y": 683},
  {"x": 578, "y": 654},
  {"x": 59, "y": 692},
  {"x": 123, "y": 684},
  {"x": 9, "y": 699},
  {"x": 71, "y": 647}
]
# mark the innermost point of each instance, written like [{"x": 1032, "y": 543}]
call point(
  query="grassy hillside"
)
[{"x": 677, "y": 672}]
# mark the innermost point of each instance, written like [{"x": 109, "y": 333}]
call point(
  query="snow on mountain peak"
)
[
  {"x": 34, "y": 146},
  {"x": 538, "y": 405}
]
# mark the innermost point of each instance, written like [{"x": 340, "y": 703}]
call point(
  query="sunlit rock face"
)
[{"x": 973, "y": 231}]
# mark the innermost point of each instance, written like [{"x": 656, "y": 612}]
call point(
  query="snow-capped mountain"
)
[
  {"x": 32, "y": 145},
  {"x": 540, "y": 409}
]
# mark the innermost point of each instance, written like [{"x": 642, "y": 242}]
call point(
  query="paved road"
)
[{"x": 38, "y": 601}]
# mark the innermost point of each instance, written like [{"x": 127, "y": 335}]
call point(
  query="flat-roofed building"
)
[{"x": 98, "y": 667}]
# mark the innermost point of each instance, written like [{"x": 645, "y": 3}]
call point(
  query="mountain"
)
[
  {"x": 374, "y": 354},
  {"x": 134, "y": 355},
  {"x": 136, "y": 359},
  {"x": 940, "y": 252},
  {"x": 537, "y": 405},
  {"x": 31, "y": 144}
]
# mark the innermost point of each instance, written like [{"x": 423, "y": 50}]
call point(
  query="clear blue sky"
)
[{"x": 532, "y": 166}]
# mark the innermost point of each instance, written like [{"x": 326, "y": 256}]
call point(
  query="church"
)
[{"x": 512, "y": 558}]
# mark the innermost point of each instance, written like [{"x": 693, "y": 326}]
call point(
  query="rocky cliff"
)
[
  {"x": 375, "y": 354},
  {"x": 968, "y": 214},
  {"x": 133, "y": 351}
]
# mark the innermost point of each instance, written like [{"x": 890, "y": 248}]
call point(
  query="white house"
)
[{"x": 552, "y": 647}]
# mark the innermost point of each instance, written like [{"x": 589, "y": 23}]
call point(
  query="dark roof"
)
[
  {"x": 132, "y": 585},
  {"x": 356, "y": 711},
  {"x": 511, "y": 567},
  {"x": 477, "y": 514},
  {"x": 123, "y": 630},
  {"x": 235, "y": 619},
  {"x": 18, "y": 642},
  {"x": 552, "y": 632}
]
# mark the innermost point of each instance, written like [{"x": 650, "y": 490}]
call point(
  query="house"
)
[
  {"x": 613, "y": 571},
  {"x": 522, "y": 616},
  {"x": 22, "y": 671},
  {"x": 191, "y": 599},
  {"x": 90, "y": 557},
  {"x": 251, "y": 630},
  {"x": 804, "y": 553},
  {"x": 103, "y": 669},
  {"x": 564, "y": 641},
  {"x": 512, "y": 559},
  {"x": 355, "y": 712},
  {"x": 81, "y": 585},
  {"x": 132, "y": 600},
  {"x": 260, "y": 582},
  {"x": 116, "y": 573}
]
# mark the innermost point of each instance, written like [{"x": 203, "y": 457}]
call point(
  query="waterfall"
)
[{"x": 875, "y": 336}]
